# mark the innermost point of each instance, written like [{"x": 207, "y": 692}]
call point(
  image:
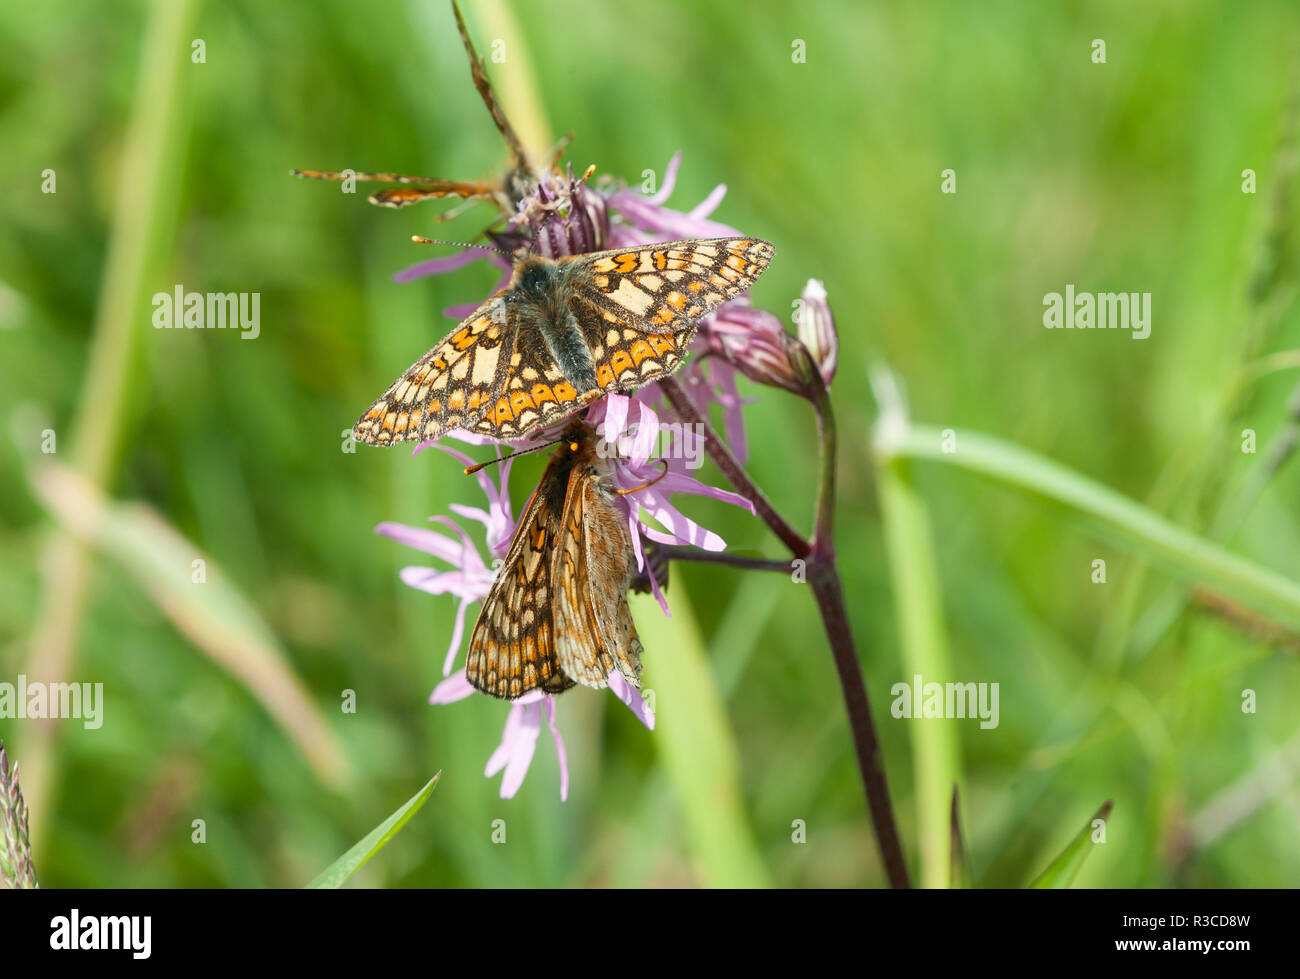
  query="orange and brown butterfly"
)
[
  {"x": 557, "y": 613},
  {"x": 562, "y": 334},
  {"x": 506, "y": 191}
]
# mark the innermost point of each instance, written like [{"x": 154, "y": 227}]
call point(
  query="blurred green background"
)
[{"x": 1118, "y": 176}]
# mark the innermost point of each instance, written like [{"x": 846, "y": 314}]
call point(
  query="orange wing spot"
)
[
  {"x": 627, "y": 262},
  {"x": 542, "y": 392},
  {"x": 640, "y": 351},
  {"x": 695, "y": 286},
  {"x": 676, "y": 300},
  {"x": 519, "y": 400},
  {"x": 736, "y": 262},
  {"x": 621, "y": 361},
  {"x": 475, "y": 400},
  {"x": 463, "y": 339},
  {"x": 402, "y": 421},
  {"x": 457, "y": 399},
  {"x": 661, "y": 260},
  {"x": 439, "y": 363},
  {"x": 564, "y": 391},
  {"x": 539, "y": 539},
  {"x": 665, "y": 315},
  {"x": 435, "y": 407},
  {"x": 662, "y": 343},
  {"x": 502, "y": 413},
  {"x": 604, "y": 376},
  {"x": 389, "y": 420}
]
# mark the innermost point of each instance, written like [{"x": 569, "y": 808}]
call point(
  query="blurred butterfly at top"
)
[{"x": 562, "y": 334}]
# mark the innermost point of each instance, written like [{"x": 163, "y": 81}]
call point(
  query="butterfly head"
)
[{"x": 534, "y": 276}]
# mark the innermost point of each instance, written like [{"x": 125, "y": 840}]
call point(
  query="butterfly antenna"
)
[
  {"x": 420, "y": 239},
  {"x": 471, "y": 470},
  {"x": 638, "y": 489}
]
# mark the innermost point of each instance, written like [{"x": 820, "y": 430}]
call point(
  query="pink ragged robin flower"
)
[{"x": 630, "y": 430}]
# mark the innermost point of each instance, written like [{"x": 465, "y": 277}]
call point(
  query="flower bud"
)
[
  {"x": 816, "y": 328},
  {"x": 754, "y": 342}
]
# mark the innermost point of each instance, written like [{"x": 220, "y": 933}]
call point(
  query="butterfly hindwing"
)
[{"x": 594, "y": 634}]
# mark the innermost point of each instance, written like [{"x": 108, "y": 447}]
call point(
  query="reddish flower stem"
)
[
  {"x": 731, "y": 468},
  {"x": 824, "y": 577}
]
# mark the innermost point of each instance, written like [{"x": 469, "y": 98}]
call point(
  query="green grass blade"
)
[
  {"x": 1060, "y": 873},
  {"x": 1192, "y": 555},
  {"x": 214, "y": 615},
  {"x": 345, "y": 866},
  {"x": 909, "y": 541},
  {"x": 960, "y": 874},
  {"x": 697, "y": 745}
]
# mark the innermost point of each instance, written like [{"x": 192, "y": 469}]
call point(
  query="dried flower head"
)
[{"x": 16, "y": 871}]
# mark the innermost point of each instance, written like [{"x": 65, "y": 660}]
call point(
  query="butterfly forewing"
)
[
  {"x": 512, "y": 647},
  {"x": 449, "y": 386},
  {"x": 667, "y": 288},
  {"x": 633, "y": 312}
]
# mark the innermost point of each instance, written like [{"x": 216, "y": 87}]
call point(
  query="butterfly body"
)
[
  {"x": 557, "y": 613},
  {"x": 542, "y": 299},
  {"x": 562, "y": 334}
]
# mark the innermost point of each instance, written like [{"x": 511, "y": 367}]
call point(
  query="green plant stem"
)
[
  {"x": 732, "y": 469},
  {"x": 923, "y": 648}
]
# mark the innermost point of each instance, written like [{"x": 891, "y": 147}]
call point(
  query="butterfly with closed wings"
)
[
  {"x": 562, "y": 334},
  {"x": 557, "y": 613}
]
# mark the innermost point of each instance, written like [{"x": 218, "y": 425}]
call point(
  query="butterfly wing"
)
[
  {"x": 636, "y": 310},
  {"x": 414, "y": 189},
  {"x": 451, "y": 385},
  {"x": 512, "y": 649},
  {"x": 667, "y": 288},
  {"x": 594, "y": 633}
]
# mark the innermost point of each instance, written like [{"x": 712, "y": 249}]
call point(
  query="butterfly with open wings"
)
[{"x": 562, "y": 334}]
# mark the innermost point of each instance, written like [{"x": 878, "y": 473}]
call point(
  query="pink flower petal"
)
[
  {"x": 549, "y": 706},
  {"x": 710, "y": 203},
  {"x": 670, "y": 180},
  {"x": 438, "y": 266},
  {"x": 457, "y": 633},
  {"x": 455, "y": 687},
  {"x": 627, "y": 693},
  {"x": 522, "y": 748},
  {"x": 421, "y": 539}
]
